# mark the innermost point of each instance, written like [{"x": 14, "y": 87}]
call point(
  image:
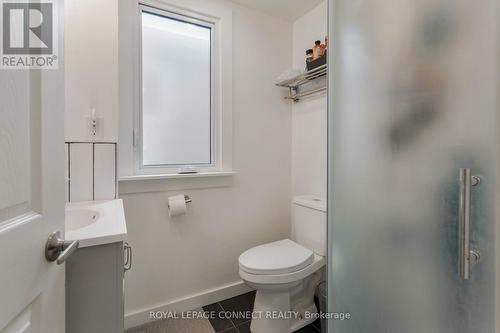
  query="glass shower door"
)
[{"x": 412, "y": 118}]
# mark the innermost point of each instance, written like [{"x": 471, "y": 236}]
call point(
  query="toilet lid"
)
[{"x": 284, "y": 256}]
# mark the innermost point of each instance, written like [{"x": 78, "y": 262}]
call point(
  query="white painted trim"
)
[
  {"x": 177, "y": 176},
  {"x": 166, "y": 183},
  {"x": 195, "y": 301}
]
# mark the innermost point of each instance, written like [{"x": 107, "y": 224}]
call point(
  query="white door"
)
[{"x": 31, "y": 197}]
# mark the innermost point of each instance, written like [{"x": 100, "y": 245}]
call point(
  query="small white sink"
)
[
  {"x": 77, "y": 218},
  {"x": 95, "y": 222}
]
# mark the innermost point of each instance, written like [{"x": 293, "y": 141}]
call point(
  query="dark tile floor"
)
[{"x": 241, "y": 304}]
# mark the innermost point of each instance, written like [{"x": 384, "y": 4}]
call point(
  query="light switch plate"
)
[{"x": 95, "y": 133}]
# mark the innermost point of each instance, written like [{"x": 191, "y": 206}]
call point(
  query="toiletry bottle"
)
[
  {"x": 309, "y": 55},
  {"x": 317, "y": 50},
  {"x": 324, "y": 46}
]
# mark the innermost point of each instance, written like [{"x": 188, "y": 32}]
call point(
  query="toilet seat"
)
[
  {"x": 276, "y": 258},
  {"x": 275, "y": 279}
]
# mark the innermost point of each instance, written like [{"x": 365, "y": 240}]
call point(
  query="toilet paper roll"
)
[{"x": 176, "y": 205}]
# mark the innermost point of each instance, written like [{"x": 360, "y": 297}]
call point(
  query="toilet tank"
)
[{"x": 309, "y": 222}]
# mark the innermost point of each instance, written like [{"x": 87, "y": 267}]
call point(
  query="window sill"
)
[
  {"x": 177, "y": 176},
  {"x": 174, "y": 182}
]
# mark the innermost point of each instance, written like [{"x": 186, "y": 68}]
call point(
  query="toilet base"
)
[
  {"x": 269, "y": 310},
  {"x": 302, "y": 320},
  {"x": 285, "y": 308},
  {"x": 272, "y": 313},
  {"x": 284, "y": 303}
]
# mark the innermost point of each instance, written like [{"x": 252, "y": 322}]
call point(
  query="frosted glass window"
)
[{"x": 177, "y": 104}]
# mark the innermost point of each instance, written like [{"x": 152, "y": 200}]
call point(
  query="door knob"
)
[{"x": 57, "y": 249}]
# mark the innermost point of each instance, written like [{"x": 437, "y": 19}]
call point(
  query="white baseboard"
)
[{"x": 191, "y": 302}]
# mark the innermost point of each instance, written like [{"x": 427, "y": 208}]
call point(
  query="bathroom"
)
[{"x": 211, "y": 166}]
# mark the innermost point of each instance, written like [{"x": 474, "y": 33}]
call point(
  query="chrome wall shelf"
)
[{"x": 306, "y": 84}]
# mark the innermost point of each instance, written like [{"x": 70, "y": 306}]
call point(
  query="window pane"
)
[{"x": 176, "y": 103}]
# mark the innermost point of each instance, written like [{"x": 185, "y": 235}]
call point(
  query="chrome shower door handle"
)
[{"x": 464, "y": 251}]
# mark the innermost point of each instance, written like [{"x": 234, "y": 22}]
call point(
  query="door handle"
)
[
  {"x": 464, "y": 251},
  {"x": 57, "y": 249}
]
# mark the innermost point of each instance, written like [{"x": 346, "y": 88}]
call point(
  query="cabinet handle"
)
[{"x": 128, "y": 256}]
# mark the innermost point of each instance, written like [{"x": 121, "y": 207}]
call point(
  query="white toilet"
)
[{"x": 285, "y": 273}]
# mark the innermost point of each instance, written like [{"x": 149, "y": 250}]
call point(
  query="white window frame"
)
[
  {"x": 130, "y": 140},
  {"x": 138, "y": 127}
]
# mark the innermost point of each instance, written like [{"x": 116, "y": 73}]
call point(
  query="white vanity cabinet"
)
[
  {"x": 95, "y": 272},
  {"x": 94, "y": 289}
]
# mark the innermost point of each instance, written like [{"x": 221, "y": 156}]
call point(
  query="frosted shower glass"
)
[
  {"x": 176, "y": 96},
  {"x": 412, "y": 98}
]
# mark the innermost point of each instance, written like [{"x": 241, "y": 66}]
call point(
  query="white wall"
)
[
  {"x": 91, "y": 67},
  {"x": 309, "y": 127},
  {"x": 184, "y": 263},
  {"x": 192, "y": 255}
]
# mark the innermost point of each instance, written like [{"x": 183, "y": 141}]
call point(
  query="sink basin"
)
[
  {"x": 95, "y": 222},
  {"x": 77, "y": 218}
]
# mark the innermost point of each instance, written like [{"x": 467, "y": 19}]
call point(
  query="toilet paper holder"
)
[{"x": 187, "y": 198}]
